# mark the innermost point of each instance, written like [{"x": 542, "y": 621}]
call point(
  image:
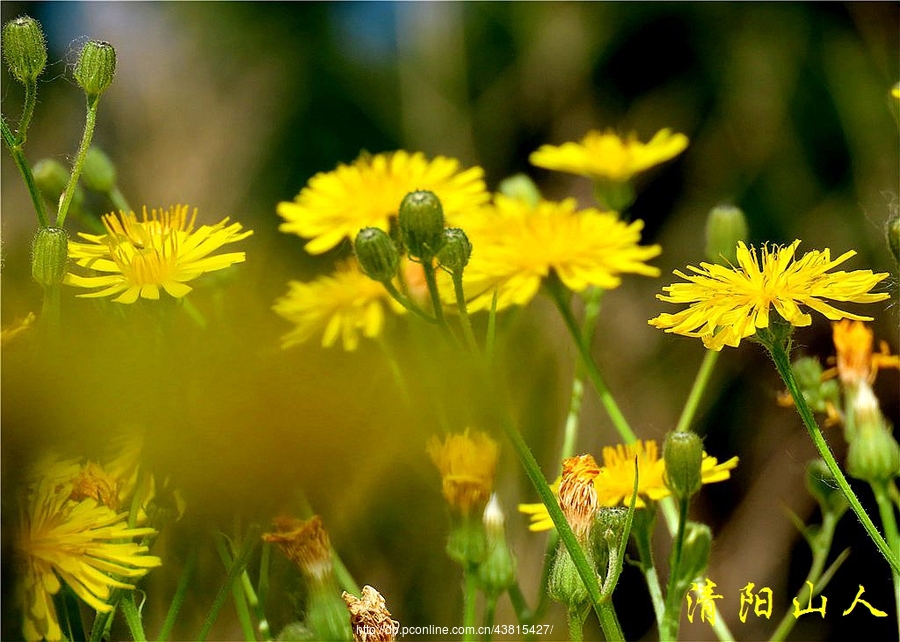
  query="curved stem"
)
[
  {"x": 558, "y": 294},
  {"x": 89, "y": 122},
  {"x": 15, "y": 149},
  {"x": 783, "y": 365},
  {"x": 27, "y": 111},
  {"x": 464, "y": 312},
  {"x": 406, "y": 303}
]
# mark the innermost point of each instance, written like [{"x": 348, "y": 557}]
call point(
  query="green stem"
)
[
  {"x": 464, "y": 312},
  {"x": 27, "y": 111},
  {"x": 559, "y": 294},
  {"x": 180, "y": 594},
  {"x": 132, "y": 617},
  {"x": 89, "y": 122},
  {"x": 50, "y": 311},
  {"x": 237, "y": 567},
  {"x": 783, "y": 365},
  {"x": 406, "y": 303},
  {"x": 570, "y": 432},
  {"x": 18, "y": 154},
  {"x": 588, "y": 575},
  {"x": 237, "y": 591},
  {"x": 524, "y": 615},
  {"x": 470, "y": 595},
  {"x": 889, "y": 519},
  {"x": 490, "y": 341},
  {"x": 821, "y": 546},
  {"x": 697, "y": 390},
  {"x": 642, "y": 536},
  {"x": 118, "y": 199},
  {"x": 672, "y": 616},
  {"x": 436, "y": 304}
]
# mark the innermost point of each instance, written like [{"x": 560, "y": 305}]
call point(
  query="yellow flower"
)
[
  {"x": 516, "y": 245},
  {"x": 856, "y": 361},
  {"x": 161, "y": 250},
  {"x": 84, "y": 544},
  {"x": 367, "y": 193},
  {"x": 341, "y": 305},
  {"x": 607, "y": 156},
  {"x": 615, "y": 482},
  {"x": 467, "y": 463},
  {"x": 727, "y": 304}
]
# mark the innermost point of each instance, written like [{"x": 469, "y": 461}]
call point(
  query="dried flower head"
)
[
  {"x": 578, "y": 495},
  {"x": 305, "y": 543},
  {"x": 369, "y": 618}
]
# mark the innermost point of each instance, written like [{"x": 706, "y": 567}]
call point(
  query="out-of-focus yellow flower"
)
[
  {"x": 467, "y": 463},
  {"x": 81, "y": 543},
  {"x": 727, "y": 304},
  {"x": 516, "y": 245},
  {"x": 9, "y": 333},
  {"x": 160, "y": 250},
  {"x": 367, "y": 193},
  {"x": 856, "y": 362},
  {"x": 341, "y": 305},
  {"x": 615, "y": 482},
  {"x": 608, "y": 156}
]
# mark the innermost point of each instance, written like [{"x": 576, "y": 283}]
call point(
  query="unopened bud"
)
[
  {"x": 96, "y": 67},
  {"x": 49, "y": 256},
  {"x": 422, "y": 224},
  {"x": 498, "y": 570},
  {"x": 98, "y": 172},
  {"x": 892, "y": 231},
  {"x": 873, "y": 454},
  {"x": 377, "y": 255},
  {"x": 456, "y": 250},
  {"x": 817, "y": 392},
  {"x": 821, "y": 484},
  {"x": 565, "y": 584},
  {"x": 725, "y": 226},
  {"x": 683, "y": 454},
  {"x": 695, "y": 552},
  {"x": 520, "y": 187},
  {"x": 24, "y": 48},
  {"x": 51, "y": 178}
]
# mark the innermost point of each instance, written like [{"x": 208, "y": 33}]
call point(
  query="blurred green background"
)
[{"x": 232, "y": 107}]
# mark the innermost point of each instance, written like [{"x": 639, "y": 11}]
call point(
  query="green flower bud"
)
[
  {"x": 808, "y": 373},
  {"x": 96, "y": 67},
  {"x": 98, "y": 173},
  {"x": 607, "y": 533},
  {"x": 683, "y": 454},
  {"x": 49, "y": 256},
  {"x": 725, "y": 226},
  {"x": 892, "y": 231},
  {"x": 821, "y": 484},
  {"x": 565, "y": 584},
  {"x": 377, "y": 254},
  {"x": 51, "y": 178},
  {"x": 873, "y": 454},
  {"x": 521, "y": 187},
  {"x": 498, "y": 570},
  {"x": 456, "y": 250},
  {"x": 695, "y": 552},
  {"x": 422, "y": 224},
  {"x": 24, "y": 48}
]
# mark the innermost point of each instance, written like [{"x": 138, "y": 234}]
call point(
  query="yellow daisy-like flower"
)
[
  {"x": 516, "y": 245},
  {"x": 159, "y": 250},
  {"x": 367, "y": 193},
  {"x": 856, "y": 361},
  {"x": 81, "y": 543},
  {"x": 467, "y": 463},
  {"x": 727, "y": 304},
  {"x": 341, "y": 305},
  {"x": 607, "y": 156},
  {"x": 615, "y": 482}
]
